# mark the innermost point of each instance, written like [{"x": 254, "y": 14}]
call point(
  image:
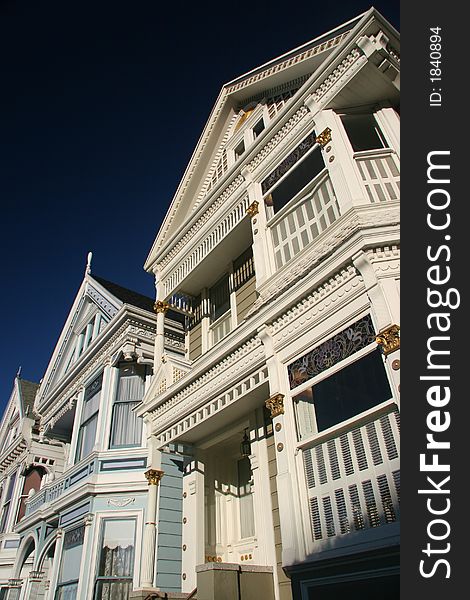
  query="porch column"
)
[
  {"x": 161, "y": 309},
  {"x": 193, "y": 523},
  {"x": 153, "y": 476}
]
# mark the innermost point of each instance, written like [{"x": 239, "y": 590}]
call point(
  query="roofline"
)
[{"x": 294, "y": 51}]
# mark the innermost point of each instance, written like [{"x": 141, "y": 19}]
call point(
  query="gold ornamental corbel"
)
[
  {"x": 324, "y": 137},
  {"x": 161, "y": 306},
  {"x": 275, "y": 405},
  {"x": 389, "y": 339}
]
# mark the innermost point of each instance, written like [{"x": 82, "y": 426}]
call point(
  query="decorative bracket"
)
[
  {"x": 389, "y": 339},
  {"x": 324, "y": 137},
  {"x": 275, "y": 405},
  {"x": 253, "y": 209}
]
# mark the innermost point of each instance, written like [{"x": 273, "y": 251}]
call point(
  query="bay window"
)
[
  {"x": 7, "y": 503},
  {"x": 126, "y": 426}
]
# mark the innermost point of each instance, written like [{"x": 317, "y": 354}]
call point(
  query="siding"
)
[
  {"x": 245, "y": 298},
  {"x": 195, "y": 342},
  {"x": 285, "y": 592},
  {"x": 169, "y": 525}
]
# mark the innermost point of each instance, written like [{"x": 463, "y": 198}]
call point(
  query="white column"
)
[
  {"x": 153, "y": 476},
  {"x": 76, "y": 427},
  {"x": 385, "y": 312},
  {"x": 106, "y": 402},
  {"x": 54, "y": 573},
  {"x": 338, "y": 157},
  {"x": 161, "y": 309},
  {"x": 293, "y": 548},
  {"x": 193, "y": 523},
  {"x": 263, "y": 252},
  {"x": 389, "y": 123},
  {"x": 85, "y": 577}
]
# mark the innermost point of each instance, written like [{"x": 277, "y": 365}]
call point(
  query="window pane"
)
[
  {"x": 86, "y": 438},
  {"x": 220, "y": 298},
  {"x": 67, "y": 592},
  {"x": 71, "y": 556},
  {"x": 298, "y": 177},
  {"x": 352, "y": 390},
  {"x": 126, "y": 426},
  {"x": 363, "y": 132},
  {"x": 113, "y": 590},
  {"x": 117, "y": 549}
]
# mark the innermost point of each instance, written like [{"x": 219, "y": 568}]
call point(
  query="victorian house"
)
[
  {"x": 280, "y": 251},
  {"x": 75, "y": 481}
]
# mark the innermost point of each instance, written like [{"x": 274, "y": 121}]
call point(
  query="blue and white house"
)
[{"x": 80, "y": 528}]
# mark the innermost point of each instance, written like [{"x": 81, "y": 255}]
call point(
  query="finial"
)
[
  {"x": 18, "y": 374},
  {"x": 88, "y": 264}
]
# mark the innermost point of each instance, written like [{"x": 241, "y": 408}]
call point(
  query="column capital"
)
[
  {"x": 161, "y": 306},
  {"x": 153, "y": 476},
  {"x": 275, "y": 405}
]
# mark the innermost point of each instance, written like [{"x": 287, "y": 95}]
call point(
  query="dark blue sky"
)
[{"x": 102, "y": 104}]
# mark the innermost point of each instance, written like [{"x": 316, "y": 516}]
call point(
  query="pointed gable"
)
[
  {"x": 96, "y": 303},
  {"x": 272, "y": 86},
  {"x": 20, "y": 405}
]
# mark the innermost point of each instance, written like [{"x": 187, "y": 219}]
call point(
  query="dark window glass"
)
[
  {"x": 297, "y": 179},
  {"x": 363, "y": 132},
  {"x": 351, "y": 391},
  {"x": 220, "y": 298},
  {"x": 87, "y": 431},
  {"x": 258, "y": 128},
  {"x": 239, "y": 150}
]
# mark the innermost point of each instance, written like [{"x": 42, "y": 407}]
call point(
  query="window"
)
[
  {"x": 89, "y": 421},
  {"x": 363, "y": 132},
  {"x": 7, "y": 503},
  {"x": 32, "y": 481},
  {"x": 69, "y": 571},
  {"x": 126, "y": 426},
  {"x": 219, "y": 296},
  {"x": 239, "y": 150},
  {"x": 116, "y": 561},
  {"x": 345, "y": 394},
  {"x": 258, "y": 128},
  {"x": 299, "y": 176}
]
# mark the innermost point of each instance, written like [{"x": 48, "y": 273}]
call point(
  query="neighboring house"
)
[
  {"x": 80, "y": 535},
  {"x": 25, "y": 466},
  {"x": 281, "y": 250}
]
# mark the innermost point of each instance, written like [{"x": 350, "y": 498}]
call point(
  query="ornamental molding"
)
[
  {"x": 190, "y": 413},
  {"x": 120, "y": 502},
  {"x": 275, "y": 405},
  {"x": 289, "y": 62},
  {"x": 228, "y": 369},
  {"x": 335, "y": 236},
  {"x": 104, "y": 304},
  {"x": 324, "y": 138},
  {"x": 280, "y": 136},
  {"x": 306, "y": 313},
  {"x": 194, "y": 229},
  {"x": 253, "y": 209},
  {"x": 385, "y": 261},
  {"x": 63, "y": 403},
  {"x": 337, "y": 74}
]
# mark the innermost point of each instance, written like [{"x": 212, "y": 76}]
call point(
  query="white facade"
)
[{"x": 281, "y": 247}]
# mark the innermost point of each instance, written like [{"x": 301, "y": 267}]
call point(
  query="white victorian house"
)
[{"x": 281, "y": 251}]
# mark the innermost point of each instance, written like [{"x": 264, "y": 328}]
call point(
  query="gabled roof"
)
[
  {"x": 27, "y": 391},
  {"x": 304, "y": 64},
  {"x": 126, "y": 295},
  {"x": 96, "y": 296}
]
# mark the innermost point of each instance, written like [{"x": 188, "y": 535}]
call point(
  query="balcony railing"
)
[
  {"x": 353, "y": 482},
  {"x": 299, "y": 223},
  {"x": 55, "y": 489},
  {"x": 380, "y": 174}
]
